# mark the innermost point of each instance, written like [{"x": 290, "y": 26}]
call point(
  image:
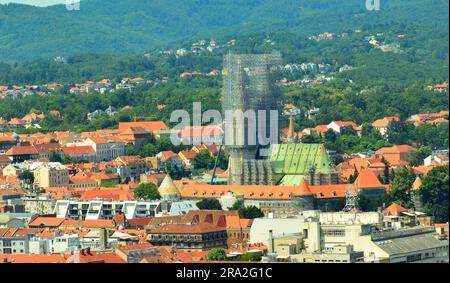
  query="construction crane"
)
[{"x": 217, "y": 158}]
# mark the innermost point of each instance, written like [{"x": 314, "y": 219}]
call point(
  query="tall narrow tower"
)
[
  {"x": 291, "y": 137},
  {"x": 248, "y": 85}
]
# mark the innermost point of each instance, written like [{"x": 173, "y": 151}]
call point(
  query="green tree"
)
[
  {"x": 69, "y": 160},
  {"x": 353, "y": 176},
  {"x": 217, "y": 254},
  {"x": 337, "y": 159},
  {"x": 209, "y": 204},
  {"x": 386, "y": 172},
  {"x": 203, "y": 160},
  {"x": 148, "y": 150},
  {"x": 147, "y": 192},
  {"x": 434, "y": 193},
  {"x": 27, "y": 176},
  {"x": 401, "y": 188},
  {"x": 163, "y": 144},
  {"x": 248, "y": 212},
  {"x": 416, "y": 157},
  {"x": 251, "y": 212},
  {"x": 54, "y": 157},
  {"x": 237, "y": 205},
  {"x": 368, "y": 204},
  {"x": 108, "y": 185},
  {"x": 256, "y": 256}
]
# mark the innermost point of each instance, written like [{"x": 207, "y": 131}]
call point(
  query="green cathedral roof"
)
[{"x": 298, "y": 159}]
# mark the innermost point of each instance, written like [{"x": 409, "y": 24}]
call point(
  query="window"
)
[
  {"x": 413, "y": 258},
  {"x": 333, "y": 232}
]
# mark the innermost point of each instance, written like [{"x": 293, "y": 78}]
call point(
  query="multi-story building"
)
[
  {"x": 56, "y": 242},
  {"x": 51, "y": 175},
  {"x": 98, "y": 209},
  {"x": 80, "y": 153},
  {"x": 103, "y": 209},
  {"x": 202, "y": 236},
  {"x": 107, "y": 148},
  {"x": 354, "y": 237},
  {"x": 39, "y": 204},
  {"x": 8, "y": 141},
  {"x": 16, "y": 240},
  {"x": 131, "y": 167}
]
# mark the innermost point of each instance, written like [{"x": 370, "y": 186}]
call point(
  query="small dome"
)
[{"x": 168, "y": 187}]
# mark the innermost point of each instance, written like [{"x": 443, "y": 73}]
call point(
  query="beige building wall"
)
[
  {"x": 48, "y": 177},
  {"x": 9, "y": 170}
]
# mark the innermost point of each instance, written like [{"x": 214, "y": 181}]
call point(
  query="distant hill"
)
[{"x": 130, "y": 26}]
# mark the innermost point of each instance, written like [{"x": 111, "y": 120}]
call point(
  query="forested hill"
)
[
  {"x": 130, "y": 26},
  {"x": 422, "y": 58}
]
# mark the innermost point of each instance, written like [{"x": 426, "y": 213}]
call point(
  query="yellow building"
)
[{"x": 51, "y": 176}]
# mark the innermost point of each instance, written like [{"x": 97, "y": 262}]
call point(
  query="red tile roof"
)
[
  {"x": 139, "y": 222},
  {"x": 88, "y": 223},
  {"x": 383, "y": 123},
  {"x": 94, "y": 257},
  {"x": 46, "y": 222},
  {"x": 32, "y": 258},
  {"x": 22, "y": 150},
  {"x": 394, "y": 210},
  {"x": 368, "y": 179},
  {"x": 234, "y": 221},
  {"x": 202, "y": 131},
  {"x": 78, "y": 150},
  {"x": 396, "y": 149},
  {"x": 187, "y": 229},
  {"x": 150, "y": 125},
  {"x": 135, "y": 247}
]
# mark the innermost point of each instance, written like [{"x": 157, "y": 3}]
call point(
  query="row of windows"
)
[
  {"x": 333, "y": 232},
  {"x": 10, "y": 251},
  {"x": 9, "y": 243},
  {"x": 238, "y": 235}
]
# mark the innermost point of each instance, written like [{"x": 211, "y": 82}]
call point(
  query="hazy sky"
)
[{"x": 35, "y": 2}]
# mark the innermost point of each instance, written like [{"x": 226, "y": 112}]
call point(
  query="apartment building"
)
[
  {"x": 16, "y": 240},
  {"x": 102, "y": 209},
  {"x": 51, "y": 175}
]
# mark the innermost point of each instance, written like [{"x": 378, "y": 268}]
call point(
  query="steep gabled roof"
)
[
  {"x": 297, "y": 159},
  {"x": 368, "y": 179},
  {"x": 304, "y": 188}
]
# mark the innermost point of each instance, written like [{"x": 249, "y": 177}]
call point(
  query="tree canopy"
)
[
  {"x": 434, "y": 193},
  {"x": 147, "y": 192},
  {"x": 209, "y": 204}
]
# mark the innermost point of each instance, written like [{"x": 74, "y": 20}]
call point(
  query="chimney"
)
[
  {"x": 104, "y": 239},
  {"x": 271, "y": 242}
]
